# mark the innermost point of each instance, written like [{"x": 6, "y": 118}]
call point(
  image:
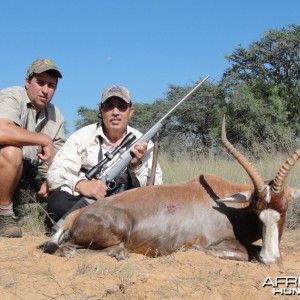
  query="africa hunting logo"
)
[{"x": 283, "y": 285}]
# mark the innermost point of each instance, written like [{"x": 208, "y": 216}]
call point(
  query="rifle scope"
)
[{"x": 96, "y": 170}]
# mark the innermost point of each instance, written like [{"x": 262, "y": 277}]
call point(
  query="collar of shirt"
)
[
  {"x": 107, "y": 145},
  {"x": 40, "y": 116}
]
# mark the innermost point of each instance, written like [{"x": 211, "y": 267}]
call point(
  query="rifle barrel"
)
[{"x": 183, "y": 99}]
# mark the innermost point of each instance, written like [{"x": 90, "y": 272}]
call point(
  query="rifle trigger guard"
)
[{"x": 112, "y": 185}]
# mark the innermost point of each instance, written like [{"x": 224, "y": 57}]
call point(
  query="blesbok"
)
[{"x": 208, "y": 213}]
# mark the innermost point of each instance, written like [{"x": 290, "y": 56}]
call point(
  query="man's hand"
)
[
  {"x": 47, "y": 151},
  {"x": 139, "y": 152},
  {"x": 91, "y": 188},
  {"x": 44, "y": 190}
]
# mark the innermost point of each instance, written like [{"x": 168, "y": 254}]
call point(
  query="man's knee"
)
[
  {"x": 10, "y": 170},
  {"x": 11, "y": 157}
]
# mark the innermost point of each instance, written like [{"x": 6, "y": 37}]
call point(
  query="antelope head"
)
[{"x": 269, "y": 200}]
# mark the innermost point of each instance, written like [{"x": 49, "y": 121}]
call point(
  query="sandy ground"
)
[{"x": 27, "y": 273}]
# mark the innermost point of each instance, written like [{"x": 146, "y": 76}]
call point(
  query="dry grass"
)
[
  {"x": 32, "y": 213},
  {"x": 177, "y": 170}
]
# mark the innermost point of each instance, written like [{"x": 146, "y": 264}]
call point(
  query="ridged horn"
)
[
  {"x": 253, "y": 174},
  {"x": 284, "y": 171}
]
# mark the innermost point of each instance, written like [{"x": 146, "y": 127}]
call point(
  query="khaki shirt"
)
[
  {"x": 81, "y": 151},
  {"x": 16, "y": 106}
]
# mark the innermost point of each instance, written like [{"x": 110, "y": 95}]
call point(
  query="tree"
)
[
  {"x": 146, "y": 114},
  {"x": 192, "y": 127},
  {"x": 258, "y": 116},
  {"x": 87, "y": 116},
  {"x": 275, "y": 59}
]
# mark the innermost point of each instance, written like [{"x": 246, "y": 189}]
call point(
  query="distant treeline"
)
[{"x": 259, "y": 94}]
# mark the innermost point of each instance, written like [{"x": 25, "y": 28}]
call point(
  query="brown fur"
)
[{"x": 158, "y": 220}]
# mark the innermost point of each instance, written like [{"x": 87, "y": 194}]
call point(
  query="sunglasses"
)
[{"x": 121, "y": 106}]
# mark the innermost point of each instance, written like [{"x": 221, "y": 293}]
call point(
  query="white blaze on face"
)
[
  {"x": 267, "y": 193},
  {"x": 270, "y": 236}
]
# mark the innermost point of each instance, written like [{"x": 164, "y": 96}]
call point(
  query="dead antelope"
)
[{"x": 208, "y": 213}]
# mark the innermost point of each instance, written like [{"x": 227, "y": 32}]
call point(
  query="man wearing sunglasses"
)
[{"x": 88, "y": 145}]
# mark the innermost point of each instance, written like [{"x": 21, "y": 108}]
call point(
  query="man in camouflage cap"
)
[
  {"x": 31, "y": 132},
  {"x": 42, "y": 65},
  {"x": 88, "y": 145},
  {"x": 116, "y": 91}
]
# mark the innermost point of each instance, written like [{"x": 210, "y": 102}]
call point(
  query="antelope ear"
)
[
  {"x": 237, "y": 198},
  {"x": 292, "y": 193}
]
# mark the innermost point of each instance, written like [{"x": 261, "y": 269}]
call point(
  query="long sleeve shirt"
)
[{"x": 81, "y": 151}]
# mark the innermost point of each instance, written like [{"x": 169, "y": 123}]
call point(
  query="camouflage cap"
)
[
  {"x": 117, "y": 91},
  {"x": 42, "y": 65}
]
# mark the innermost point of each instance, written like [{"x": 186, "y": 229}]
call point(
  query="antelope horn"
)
[
  {"x": 284, "y": 171},
  {"x": 253, "y": 174}
]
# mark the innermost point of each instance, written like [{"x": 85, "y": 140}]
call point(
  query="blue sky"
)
[{"x": 144, "y": 45}]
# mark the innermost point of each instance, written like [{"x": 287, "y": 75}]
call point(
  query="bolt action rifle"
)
[{"x": 108, "y": 173}]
